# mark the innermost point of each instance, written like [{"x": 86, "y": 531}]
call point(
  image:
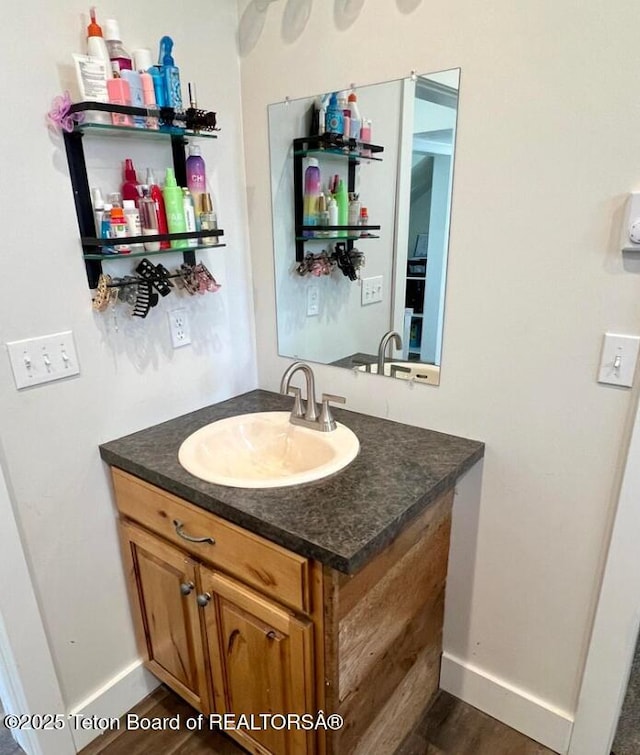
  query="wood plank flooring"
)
[{"x": 450, "y": 727}]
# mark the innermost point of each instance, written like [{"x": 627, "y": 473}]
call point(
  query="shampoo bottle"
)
[
  {"x": 120, "y": 58},
  {"x": 96, "y": 46},
  {"x": 156, "y": 194},
  {"x": 171, "y": 74},
  {"x": 196, "y": 176},
  {"x": 174, "y": 206}
]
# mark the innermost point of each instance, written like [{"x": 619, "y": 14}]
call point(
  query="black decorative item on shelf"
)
[
  {"x": 96, "y": 249},
  {"x": 332, "y": 145}
]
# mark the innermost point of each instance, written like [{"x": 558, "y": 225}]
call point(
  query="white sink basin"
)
[
  {"x": 265, "y": 450},
  {"x": 418, "y": 371}
]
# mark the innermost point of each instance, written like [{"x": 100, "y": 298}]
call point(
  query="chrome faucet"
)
[
  {"x": 391, "y": 335},
  {"x": 306, "y": 413}
]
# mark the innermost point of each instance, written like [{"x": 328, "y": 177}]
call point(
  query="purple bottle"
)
[{"x": 196, "y": 177}]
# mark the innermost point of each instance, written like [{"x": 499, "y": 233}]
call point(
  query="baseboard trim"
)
[
  {"x": 513, "y": 706},
  {"x": 113, "y": 700}
]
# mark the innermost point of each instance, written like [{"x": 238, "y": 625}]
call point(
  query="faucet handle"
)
[
  {"x": 298, "y": 410},
  {"x": 327, "y": 422}
]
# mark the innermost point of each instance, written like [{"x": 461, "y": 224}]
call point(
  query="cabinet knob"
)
[
  {"x": 203, "y": 599},
  {"x": 271, "y": 635},
  {"x": 186, "y": 588}
]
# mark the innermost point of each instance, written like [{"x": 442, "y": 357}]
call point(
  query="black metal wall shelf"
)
[
  {"x": 334, "y": 146},
  {"x": 82, "y": 196}
]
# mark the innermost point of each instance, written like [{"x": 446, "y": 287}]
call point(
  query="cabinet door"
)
[
  {"x": 261, "y": 658},
  {"x": 162, "y": 582}
]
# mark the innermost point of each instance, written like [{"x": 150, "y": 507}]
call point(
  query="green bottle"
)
[{"x": 174, "y": 207}]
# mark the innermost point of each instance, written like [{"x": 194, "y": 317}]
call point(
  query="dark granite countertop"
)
[{"x": 342, "y": 521}]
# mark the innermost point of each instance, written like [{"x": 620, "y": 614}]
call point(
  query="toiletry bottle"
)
[
  {"x": 136, "y": 94},
  {"x": 343, "y": 104},
  {"x": 120, "y": 58},
  {"x": 196, "y": 176},
  {"x": 130, "y": 184},
  {"x": 364, "y": 221},
  {"x": 149, "y": 219},
  {"x": 174, "y": 206},
  {"x": 311, "y": 195},
  {"x": 118, "y": 229},
  {"x": 155, "y": 192},
  {"x": 342, "y": 200},
  {"x": 132, "y": 219},
  {"x": 334, "y": 117},
  {"x": 332, "y": 210},
  {"x": 189, "y": 215},
  {"x": 92, "y": 79},
  {"x": 208, "y": 220},
  {"x": 149, "y": 98},
  {"x": 323, "y": 215},
  {"x": 98, "y": 210},
  {"x": 158, "y": 85},
  {"x": 119, "y": 94},
  {"x": 115, "y": 199},
  {"x": 365, "y": 136},
  {"x": 104, "y": 232},
  {"x": 356, "y": 120},
  {"x": 96, "y": 46},
  {"x": 171, "y": 74},
  {"x": 354, "y": 212}
]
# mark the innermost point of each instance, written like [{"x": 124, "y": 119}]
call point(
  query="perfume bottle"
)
[{"x": 208, "y": 220}]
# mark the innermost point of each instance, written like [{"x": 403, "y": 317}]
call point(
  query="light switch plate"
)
[
  {"x": 371, "y": 290},
  {"x": 618, "y": 360},
  {"x": 313, "y": 301},
  {"x": 40, "y": 360}
]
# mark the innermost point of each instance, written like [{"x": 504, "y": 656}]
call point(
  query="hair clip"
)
[
  {"x": 157, "y": 275},
  {"x": 103, "y": 294},
  {"x": 143, "y": 300},
  {"x": 186, "y": 279},
  {"x": 206, "y": 281},
  {"x": 316, "y": 264},
  {"x": 343, "y": 260}
]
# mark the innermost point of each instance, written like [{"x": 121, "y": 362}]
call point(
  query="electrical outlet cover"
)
[{"x": 179, "y": 327}]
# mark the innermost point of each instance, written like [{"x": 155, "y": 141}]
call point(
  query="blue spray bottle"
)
[{"x": 171, "y": 74}]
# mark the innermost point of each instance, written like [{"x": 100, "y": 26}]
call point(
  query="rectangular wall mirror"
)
[{"x": 365, "y": 291}]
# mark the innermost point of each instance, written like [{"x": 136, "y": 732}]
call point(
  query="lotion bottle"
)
[
  {"x": 174, "y": 206},
  {"x": 132, "y": 218},
  {"x": 96, "y": 46},
  {"x": 189, "y": 215}
]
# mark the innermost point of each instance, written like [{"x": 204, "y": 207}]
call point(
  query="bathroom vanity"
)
[{"x": 322, "y": 597}]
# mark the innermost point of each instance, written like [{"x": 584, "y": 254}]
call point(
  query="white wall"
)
[
  {"x": 130, "y": 377},
  {"x": 544, "y": 160}
]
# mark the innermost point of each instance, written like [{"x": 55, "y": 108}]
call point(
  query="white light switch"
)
[
  {"x": 618, "y": 361},
  {"x": 41, "y": 360},
  {"x": 313, "y": 301},
  {"x": 371, "y": 290}
]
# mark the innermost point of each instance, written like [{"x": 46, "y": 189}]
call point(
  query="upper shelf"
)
[
  {"x": 189, "y": 123},
  {"x": 335, "y": 144}
]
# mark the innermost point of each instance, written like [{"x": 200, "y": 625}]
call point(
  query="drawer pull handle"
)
[
  {"x": 181, "y": 533},
  {"x": 203, "y": 599},
  {"x": 186, "y": 588}
]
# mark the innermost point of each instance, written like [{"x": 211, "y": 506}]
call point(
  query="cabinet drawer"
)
[{"x": 250, "y": 558}]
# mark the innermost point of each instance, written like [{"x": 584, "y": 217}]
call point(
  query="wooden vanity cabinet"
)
[{"x": 256, "y": 629}]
